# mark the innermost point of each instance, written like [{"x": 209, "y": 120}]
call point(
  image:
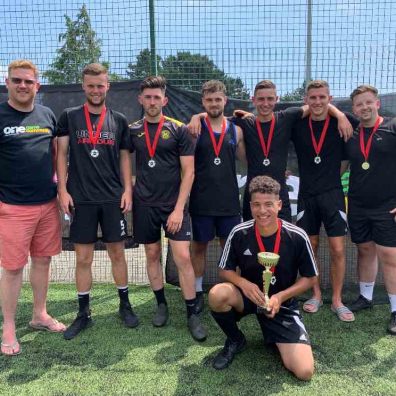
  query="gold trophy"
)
[{"x": 267, "y": 260}]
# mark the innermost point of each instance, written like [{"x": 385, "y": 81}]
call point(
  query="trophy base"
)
[{"x": 262, "y": 310}]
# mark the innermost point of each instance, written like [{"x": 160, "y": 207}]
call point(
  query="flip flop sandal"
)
[
  {"x": 51, "y": 327},
  {"x": 13, "y": 347},
  {"x": 341, "y": 311},
  {"x": 315, "y": 303}
]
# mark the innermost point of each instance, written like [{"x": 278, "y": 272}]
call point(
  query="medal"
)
[
  {"x": 216, "y": 146},
  {"x": 318, "y": 146},
  {"x": 365, "y": 165},
  {"x": 366, "y": 150},
  {"x": 94, "y": 137},
  {"x": 94, "y": 153},
  {"x": 152, "y": 148},
  {"x": 266, "y": 146}
]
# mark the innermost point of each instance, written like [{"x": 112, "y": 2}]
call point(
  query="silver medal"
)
[
  {"x": 94, "y": 153},
  {"x": 151, "y": 163},
  {"x": 217, "y": 161},
  {"x": 266, "y": 162},
  {"x": 317, "y": 160}
]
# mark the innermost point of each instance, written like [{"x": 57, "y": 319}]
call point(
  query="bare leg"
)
[
  {"x": 387, "y": 256},
  {"x": 181, "y": 255},
  {"x": 298, "y": 359},
  {"x": 317, "y": 294},
  {"x": 84, "y": 258},
  {"x": 154, "y": 268},
  {"x": 367, "y": 262},
  {"x": 119, "y": 268},
  {"x": 39, "y": 279},
  {"x": 198, "y": 257},
  {"x": 10, "y": 286}
]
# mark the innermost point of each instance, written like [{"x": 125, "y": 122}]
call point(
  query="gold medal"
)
[{"x": 365, "y": 165}]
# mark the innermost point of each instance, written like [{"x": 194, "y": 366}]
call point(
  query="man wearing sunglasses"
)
[{"x": 29, "y": 216}]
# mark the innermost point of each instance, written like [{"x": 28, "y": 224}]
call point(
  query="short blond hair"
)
[
  {"x": 362, "y": 89},
  {"x": 23, "y": 64},
  {"x": 94, "y": 69},
  {"x": 314, "y": 84},
  {"x": 264, "y": 84}
]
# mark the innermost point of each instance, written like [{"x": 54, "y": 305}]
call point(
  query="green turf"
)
[{"x": 351, "y": 358}]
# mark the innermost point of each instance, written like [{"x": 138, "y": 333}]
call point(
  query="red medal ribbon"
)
[
  {"x": 366, "y": 150},
  {"x": 277, "y": 240},
  {"x": 93, "y": 138},
  {"x": 318, "y": 146},
  {"x": 216, "y": 146},
  {"x": 151, "y": 148},
  {"x": 264, "y": 146}
]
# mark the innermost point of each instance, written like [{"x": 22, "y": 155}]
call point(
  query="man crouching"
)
[{"x": 242, "y": 293}]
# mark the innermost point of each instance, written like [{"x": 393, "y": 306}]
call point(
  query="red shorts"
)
[{"x": 25, "y": 229}]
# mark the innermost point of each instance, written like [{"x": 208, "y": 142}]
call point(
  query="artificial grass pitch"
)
[{"x": 355, "y": 358}]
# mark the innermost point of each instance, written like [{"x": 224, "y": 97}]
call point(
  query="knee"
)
[
  {"x": 337, "y": 252},
  {"x": 84, "y": 261},
  {"x": 41, "y": 261},
  {"x": 218, "y": 296},
  {"x": 183, "y": 261},
  {"x": 302, "y": 372}
]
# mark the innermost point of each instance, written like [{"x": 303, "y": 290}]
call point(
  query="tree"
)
[
  {"x": 80, "y": 47},
  {"x": 142, "y": 68},
  {"x": 188, "y": 71},
  {"x": 295, "y": 96}
]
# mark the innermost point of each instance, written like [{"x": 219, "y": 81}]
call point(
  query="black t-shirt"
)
[
  {"x": 376, "y": 186},
  {"x": 215, "y": 189},
  {"x": 159, "y": 186},
  {"x": 26, "y": 160},
  {"x": 284, "y": 121},
  {"x": 325, "y": 176},
  {"x": 94, "y": 180},
  {"x": 296, "y": 256}
]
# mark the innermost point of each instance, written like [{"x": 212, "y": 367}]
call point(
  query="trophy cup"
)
[{"x": 267, "y": 260}]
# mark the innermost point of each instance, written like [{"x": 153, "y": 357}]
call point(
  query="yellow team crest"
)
[{"x": 165, "y": 134}]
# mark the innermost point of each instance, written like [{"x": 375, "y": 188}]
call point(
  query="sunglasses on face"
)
[{"x": 17, "y": 81}]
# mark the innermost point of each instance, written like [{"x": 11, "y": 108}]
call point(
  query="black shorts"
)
[
  {"x": 372, "y": 224},
  {"x": 327, "y": 208},
  {"x": 284, "y": 213},
  {"x": 286, "y": 327},
  {"x": 205, "y": 228},
  {"x": 85, "y": 220},
  {"x": 148, "y": 220}
]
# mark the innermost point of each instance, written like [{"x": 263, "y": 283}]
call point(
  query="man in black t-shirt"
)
[
  {"x": 242, "y": 293},
  {"x": 372, "y": 197},
  {"x": 95, "y": 187},
  {"x": 164, "y": 176},
  {"x": 214, "y": 200},
  {"x": 29, "y": 214},
  {"x": 319, "y": 150}
]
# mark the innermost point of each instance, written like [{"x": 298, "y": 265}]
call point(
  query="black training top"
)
[
  {"x": 375, "y": 186},
  {"x": 296, "y": 256},
  {"x": 159, "y": 185},
  {"x": 317, "y": 178},
  {"x": 26, "y": 160},
  {"x": 215, "y": 189},
  {"x": 94, "y": 179}
]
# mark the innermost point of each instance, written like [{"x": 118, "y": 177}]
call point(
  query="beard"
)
[{"x": 96, "y": 104}]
